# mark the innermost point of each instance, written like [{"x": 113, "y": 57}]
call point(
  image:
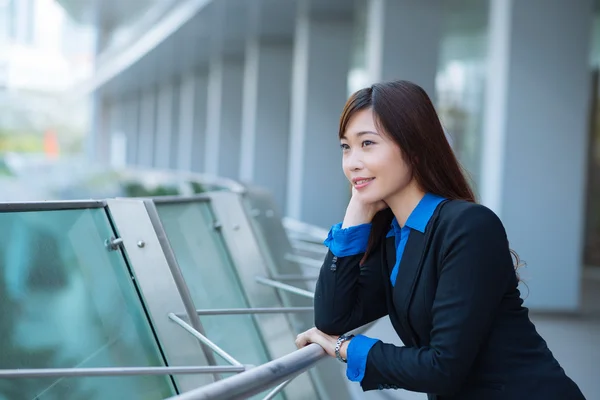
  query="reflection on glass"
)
[
  {"x": 212, "y": 280},
  {"x": 67, "y": 302}
]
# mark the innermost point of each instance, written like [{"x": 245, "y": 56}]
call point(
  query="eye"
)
[
  {"x": 344, "y": 146},
  {"x": 367, "y": 143}
]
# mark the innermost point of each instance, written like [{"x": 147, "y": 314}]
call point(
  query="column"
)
[
  {"x": 535, "y": 135},
  {"x": 187, "y": 97},
  {"x": 402, "y": 41},
  {"x": 317, "y": 191},
  {"x": 200, "y": 108},
  {"x": 223, "y": 119},
  {"x": 145, "y": 155},
  {"x": 166, "y": 124},
  {"x": 192, "y": 122},
  {"x": 266, "y": 115},
  {"x": 131, "y": 127},
  {"x": 96, "y": 146},
  {"x": 116, "y": 136},
  {"x": 174, "y": 137}
]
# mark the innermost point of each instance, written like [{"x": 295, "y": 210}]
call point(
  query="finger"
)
[
  {"x": 302, "y": 340},
  {"x": 327, "y": 342}
]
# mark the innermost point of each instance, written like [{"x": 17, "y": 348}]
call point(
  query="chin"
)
[{"x": 371, "y": 197}]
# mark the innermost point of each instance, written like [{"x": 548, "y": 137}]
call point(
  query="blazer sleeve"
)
[
  {"x": 348, "y": 295},
  {"x": 475, "y": 273}
]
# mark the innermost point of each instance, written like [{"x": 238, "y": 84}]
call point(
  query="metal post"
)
[
  {"x": 204, "y": 340},
  {"x": 182, "y": 287},
  {"x": 276, "y": 391},
  {"x": 115, "y": 371},
  {"x": 309, "y": 247},
  {"x": 283, "y": 278},
  {"x": 251, "y": 311},
  {"x": 285, "y": 286},
  {"x": 306, "y": 261}
]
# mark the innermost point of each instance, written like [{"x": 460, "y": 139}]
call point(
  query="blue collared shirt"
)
[{"x": 352, "y": 241}]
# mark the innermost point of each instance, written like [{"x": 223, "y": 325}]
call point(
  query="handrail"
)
[
  {"x": 303, "y": 230},
  {"x": 29, "y": 373},
  {"x": 285, "y": 287},
  {"x": 306, "y": 261},
  {"x": 259, "y": 379}
]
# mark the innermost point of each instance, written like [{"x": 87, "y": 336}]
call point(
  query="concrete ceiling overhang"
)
[
  {"x": 211, "y": 28},
  {"x": 194, "y": 31},
  {"x": 216, "y": 28},
  {"x": 107, "y": 13}
]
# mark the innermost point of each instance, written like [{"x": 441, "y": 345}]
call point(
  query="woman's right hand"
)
[{"x": 360, "y": 212}]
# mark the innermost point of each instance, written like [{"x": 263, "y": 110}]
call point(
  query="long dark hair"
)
[{"x": 406, "y": 114}]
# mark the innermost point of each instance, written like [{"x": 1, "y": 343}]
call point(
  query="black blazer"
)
[{"x": 455, "y": 306}]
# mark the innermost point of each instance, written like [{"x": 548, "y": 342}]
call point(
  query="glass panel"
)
[
  {"x": 212, "y": 280},
  {"x": 275, "y": 245},
  {"x": 68, "y": 302},
  {"x": 269, "y": 230}
]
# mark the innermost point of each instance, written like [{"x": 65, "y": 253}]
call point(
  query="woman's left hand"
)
[{"x": 313, "y": 335}]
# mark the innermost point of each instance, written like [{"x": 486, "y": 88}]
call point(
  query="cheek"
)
[
  {"x": 346, "y": 169},
  {"x": 393, "y": 169}
]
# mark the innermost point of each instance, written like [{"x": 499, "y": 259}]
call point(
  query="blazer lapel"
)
[
  {"x": 388, "y": 261},
  {"x": 390, "y": 257},
  {"x": 408, "y": 271}
]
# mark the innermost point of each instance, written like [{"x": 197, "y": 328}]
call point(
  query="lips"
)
[{"x": 361, "y": 182}]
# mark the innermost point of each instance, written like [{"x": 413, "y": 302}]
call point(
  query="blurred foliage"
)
[
  {"x": 136, "y": 189},
  {"x": 27, "y": 141},
  {"x": 21, "y": 142},
  {"x": 197, "y": 187},
  {"x": 4, "y": 169}
]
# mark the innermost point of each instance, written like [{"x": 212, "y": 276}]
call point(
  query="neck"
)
[{"x": 404, "y": 202}]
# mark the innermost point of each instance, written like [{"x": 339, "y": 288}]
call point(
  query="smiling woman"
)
[{"x": 415, "y": 246}]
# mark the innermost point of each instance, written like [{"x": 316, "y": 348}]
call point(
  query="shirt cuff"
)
[
  {"x": 356, "y": 355},
  {"x": 348, "y": 241}
]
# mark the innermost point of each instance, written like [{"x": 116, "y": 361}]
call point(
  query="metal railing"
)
[
  {"x": 248, "y": 379},
  {"x": 261, "y": 378}
]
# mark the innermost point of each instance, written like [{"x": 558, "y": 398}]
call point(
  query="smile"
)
[{"x": 362, "y": 182}]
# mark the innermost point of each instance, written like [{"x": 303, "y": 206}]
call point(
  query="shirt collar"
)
[{"x": 420, "y": 216}]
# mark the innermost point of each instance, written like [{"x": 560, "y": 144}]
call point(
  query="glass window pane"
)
[{"x": 68, "y": 302}]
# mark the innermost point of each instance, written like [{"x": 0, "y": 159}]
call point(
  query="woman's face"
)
[{"x": 372, "y": 161}]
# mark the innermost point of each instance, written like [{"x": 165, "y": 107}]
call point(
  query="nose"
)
[{"x": 353, "y": 161}]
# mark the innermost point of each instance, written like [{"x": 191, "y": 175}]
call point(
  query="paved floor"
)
[{"x": 574, "y": 340}]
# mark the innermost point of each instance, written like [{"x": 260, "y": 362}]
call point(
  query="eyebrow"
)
[{"x": 361, "y": 133}]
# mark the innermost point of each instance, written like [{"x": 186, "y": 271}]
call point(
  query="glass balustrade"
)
[
  {"x": 66, "y": 301},
  {"x": 70, "y": 300},
  {"x": 212, "y": 280},
  {"x": 296, "y": 269}
]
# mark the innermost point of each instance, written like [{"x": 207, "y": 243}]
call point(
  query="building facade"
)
[{"x": 252, "y": 90}]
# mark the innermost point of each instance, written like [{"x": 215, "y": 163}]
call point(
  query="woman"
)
[{"x": 414, "y": 245}]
